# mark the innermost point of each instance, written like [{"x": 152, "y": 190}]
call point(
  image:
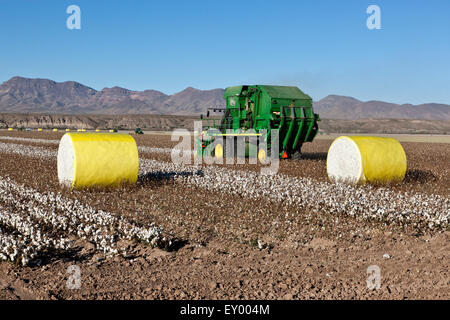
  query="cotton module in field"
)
[
  {"x": 97, "y": 159},
  {"x": 360, "y": 159}
]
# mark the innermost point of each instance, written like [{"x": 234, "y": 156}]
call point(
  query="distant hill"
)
[
  {"x": 92, "y": 121},
  {"x": 340, "y": 107},
  {"x": 171, "y": 122},
  {"x": 24, "y": 95}
]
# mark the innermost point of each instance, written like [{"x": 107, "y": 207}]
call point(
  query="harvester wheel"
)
[
  {"x": 221, "y": 151},
  {"x": 263, "y": 155},
  {"x": 218, "y": 151}
]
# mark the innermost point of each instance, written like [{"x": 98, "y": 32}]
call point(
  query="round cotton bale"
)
[
  {"x": 361, "y": 159},
  {"x": 97, "y": 159}
]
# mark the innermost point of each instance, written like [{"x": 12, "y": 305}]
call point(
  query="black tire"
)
[
  {"x": 297, "y": 155},
  {"x": 268, "y": 154}
]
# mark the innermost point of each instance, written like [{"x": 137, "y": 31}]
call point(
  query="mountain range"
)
[
  {"x": 341, "y": 107},
  {"x": 25, "y": 95}
]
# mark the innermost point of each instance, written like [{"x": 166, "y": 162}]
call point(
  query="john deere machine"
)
[{"x": 262, "y": 108}]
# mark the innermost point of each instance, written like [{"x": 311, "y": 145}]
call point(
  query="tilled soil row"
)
[
  {"x": 184, "y": 210},
  {"x": 41, "y": 219},
  {"x": 365, "y": 201},
  {"x": 53, "y": 144}
]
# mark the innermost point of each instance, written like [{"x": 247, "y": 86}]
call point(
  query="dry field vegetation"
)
[{"x": 221, "y": 231}]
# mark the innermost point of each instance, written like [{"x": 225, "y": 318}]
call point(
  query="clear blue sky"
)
[{"x": 323, "y": 47}]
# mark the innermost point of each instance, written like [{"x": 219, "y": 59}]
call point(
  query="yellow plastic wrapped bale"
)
[
  {"x": 39, "y": 129},
  {"x": 97, "y": 159},
  {"x": 361, "y": 159}
]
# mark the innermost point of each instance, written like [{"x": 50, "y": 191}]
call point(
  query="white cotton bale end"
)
[
  {"x": 360, "y": 159},
  {"x": 97, "y": 159}
]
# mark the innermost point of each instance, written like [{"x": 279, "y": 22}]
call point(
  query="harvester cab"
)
[{"x": 261, "y": 109}]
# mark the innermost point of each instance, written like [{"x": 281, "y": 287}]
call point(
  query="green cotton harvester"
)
[{"x": 256, "y": 111}]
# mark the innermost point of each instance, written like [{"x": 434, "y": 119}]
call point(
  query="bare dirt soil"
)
[{"x": 230, "y": 247}]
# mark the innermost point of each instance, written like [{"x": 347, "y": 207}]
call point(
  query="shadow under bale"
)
[
  {"x": 314, "y": 156},
  {"x": 163, "y": 176},
  {"x": 419, "y": 176}
]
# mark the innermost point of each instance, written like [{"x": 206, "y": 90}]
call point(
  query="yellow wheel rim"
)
[
  {"x": 218, "y": 151},
  {"x": 261, "y": 155}
]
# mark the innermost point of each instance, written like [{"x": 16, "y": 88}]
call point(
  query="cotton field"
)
[
  {"x": 173, "y": 205},
  {"x": 364, "y": 201},
  {"x": 63, "y": 216}
]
